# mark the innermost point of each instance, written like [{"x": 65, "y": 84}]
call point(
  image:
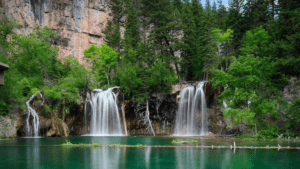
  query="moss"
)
[
  {"x": 5, "y": 139},
  {"x": 180, "y": 141}
]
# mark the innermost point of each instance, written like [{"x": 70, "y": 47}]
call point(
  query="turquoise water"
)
[{"x": 24, "y": 153}]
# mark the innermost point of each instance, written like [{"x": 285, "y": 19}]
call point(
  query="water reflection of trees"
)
[{"x": 104, "y": 157}]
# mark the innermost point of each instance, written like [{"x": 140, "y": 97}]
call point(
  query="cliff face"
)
[
  {"x": 78, "y": 23},
  {"x": 51, "y": 124}
]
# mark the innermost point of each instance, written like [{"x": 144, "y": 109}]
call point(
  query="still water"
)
[{"x": 40, "y": 153}]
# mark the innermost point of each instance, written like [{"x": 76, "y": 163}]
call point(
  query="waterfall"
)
[
  {"x": 191, "y": 103},
  {"x": 87, "y": 103},
  {"x": 159, "y": 101},
  {"x": 147, "y": 119},
  {"x": 34, "y": 130},
  {"x": 225, "y": 105},
  {"x": 200, "y": 93},
  {"x": 104, "y": 112}
]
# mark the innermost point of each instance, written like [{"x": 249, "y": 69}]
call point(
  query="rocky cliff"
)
[
  {"x": 162, "y": 115},
  {"x": 51, "y": 124},
  {"x": 162, "y": 111},
  {"x": 78, "y": 23}
]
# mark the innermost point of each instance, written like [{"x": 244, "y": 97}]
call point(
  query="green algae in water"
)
[
  {"x": 5, "y": 139},
  {"x": 161, "y": 153},
  {"x": 185, "y": 141}
]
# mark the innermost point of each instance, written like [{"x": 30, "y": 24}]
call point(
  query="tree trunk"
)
[
  {"x": 207, "y": 75},
  {"x": 107, "y": 79},
  {"x": 178, "y": 72},
  {"x": 173, "y": 54},
  {"x": 186, "y": 72},
  {"x": 255, "y": 127}
]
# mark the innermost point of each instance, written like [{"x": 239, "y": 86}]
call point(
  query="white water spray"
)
[
  {"x": 200, "y": 93},
  {"x": 191, "y": 103},
  {"x": 34, "y": 130},
  {"x": 147, "y": 119},
  {"x": 105, "y": 117}
]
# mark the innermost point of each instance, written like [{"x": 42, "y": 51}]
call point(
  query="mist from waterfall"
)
[
  {"x": 102, "y": 113},
  {"x": 191, "y": 103},
  {"x": 32, "y": 130}
]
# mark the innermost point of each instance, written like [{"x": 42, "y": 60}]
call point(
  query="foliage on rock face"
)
[
  {"x": 34, "y": 67},
  {"x": 76, "y": 81},
  {"x": 103, "y": 60},
  {"x": 249, "y": 89},
  {"x": 252, "y": 48}
]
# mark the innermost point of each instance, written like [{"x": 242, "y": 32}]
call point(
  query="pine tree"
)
[
  {"x": 113, "y": 35},
  {"x": 208, "y": 41},
  {"x": 256, "y": 13},
  {"x": 188, "y": 27},
  {"x": 177, "y": 5},
  {"x": 132, "y": 34},
  {"x": 235, "y": 22},
  {"x": 197, "y": 10},
  {"x": 214, "y": 7},
  {"x": 284, "y": 30},
  {"x": 221, "y": 15},
  {"x": 117, "y": 9},
  {"x": 164, "y": 33}
]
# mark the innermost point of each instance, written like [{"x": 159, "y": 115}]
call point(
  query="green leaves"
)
[
  {"x": 103, "y": 59},
  {"x": 34, "y": 67},
  {"x": 249, "y": 84},
  {"x": 129, "y": 77},
  {"x": 258, "y": 43},
  {"x": 244, "y": 116},
  {"x": 160, "y": 77}
]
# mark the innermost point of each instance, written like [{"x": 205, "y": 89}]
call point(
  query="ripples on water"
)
[{"x": 30, "y": 156}]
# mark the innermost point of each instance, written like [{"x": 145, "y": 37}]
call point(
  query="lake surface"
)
[{"x": 41, "y": 153}]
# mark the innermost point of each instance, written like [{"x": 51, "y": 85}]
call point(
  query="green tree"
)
[
  {"x": 190, "y": 47},
  {"x": 177, "y": 4},
  {"x": 208, "y": 48},
  {"x": 103, "y": 60},
  {"x": 164, "y": 33},
  {"x": 113, "y": 36},
  {"x": 34, "y": 67},
  {"x": 257, "y": 42},
  {"x": 225, "y": 48},
  {"x": 132, "y": 34},
  {"x": 235, "y": 22},
  {"x": 221, "y": 14},
  {"x": 75, "y": 82},
  {"x": 251, "y": 90},
  {"x": 249, "y": 87}
]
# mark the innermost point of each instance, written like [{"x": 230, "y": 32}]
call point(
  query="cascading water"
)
[
  {"x": 200, "y": 95},
  {"x": 104, "y": 113},
  {"x": 191, "y": 103},
  {"x": 34, "y": 130}
]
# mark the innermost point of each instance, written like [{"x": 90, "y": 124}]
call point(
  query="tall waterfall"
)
[
  {"x": 104, "y": 113},
  {"x": 191, "y": 103},
  {"x": 33, "y": 129}
]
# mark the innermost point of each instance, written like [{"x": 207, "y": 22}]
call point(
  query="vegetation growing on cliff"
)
[
  {"x": 34, "y": 67},
  {"x": 242, "y": 48},
  {"x": 251, "y": 48}
]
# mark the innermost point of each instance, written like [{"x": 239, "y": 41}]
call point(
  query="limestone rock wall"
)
[
  {"x": 162, "y": 112},
  {"x": 51, "y": 124},
  {"x": 8, "y": 125},
  {"x": 78, "y": 23}
]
